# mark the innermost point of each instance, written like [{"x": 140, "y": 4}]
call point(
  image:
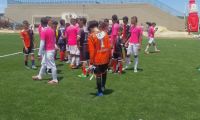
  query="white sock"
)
[
  {"x": 128, "y": 61},
  {"x": 155, "y": 48},
  {"x": 77, "y": 60},
  {"x": 73, "y": 59},
  {"x": 136, "y": 63},
  {"x": 42, "y": 71},
  {"x": 69, "y": 57},
  {"x": 54, "y": 74},
  {"x": 147, "y": 48}
]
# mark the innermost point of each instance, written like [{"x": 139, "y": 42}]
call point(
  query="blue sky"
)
[{"x": 177, "y": 4}]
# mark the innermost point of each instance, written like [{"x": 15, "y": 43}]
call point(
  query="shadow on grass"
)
[
  {"x": 60, "y": 65},
  {"x": 139, "y": 69},
  {"x": 106, "y": 92}
]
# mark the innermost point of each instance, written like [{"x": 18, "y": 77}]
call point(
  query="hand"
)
[
  {"x": 139, "y": 48},
  {"x": 26, "y": 49},
  {"x": 91, "y": 67}
]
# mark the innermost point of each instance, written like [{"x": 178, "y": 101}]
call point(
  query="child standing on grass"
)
[
  {"x": 125, "y": 37},
  {"x": 71, "y": 34},
  {"x": 27, "y": 36},
  {"x": 83, "y": 46},
  {"x": 47, "y": 49},
  {"x": 117, "y": 54},
  {"x": 151, "y": 37},
  {"x": 61, "y": 40},
  {"x": 99, "y": 50},
  {"x": 135, "y": 41}
]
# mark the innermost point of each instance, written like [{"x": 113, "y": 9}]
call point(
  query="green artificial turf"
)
[{"x": 168, "y": 88}]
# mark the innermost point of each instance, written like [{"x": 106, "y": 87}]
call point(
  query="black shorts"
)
[
  {"x": 117, "y": 55},
  {"x": 29, "y": 51},
  {"x": 101, "y": 69},
  {"x": 84, "y": 53}
]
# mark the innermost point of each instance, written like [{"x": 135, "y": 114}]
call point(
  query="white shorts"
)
[
  {"x": 49, "y": 60},
  {"x": 74, "y": 50},
  {"x": 151, "y": 40},
  {"x": 133, "y": 49}
]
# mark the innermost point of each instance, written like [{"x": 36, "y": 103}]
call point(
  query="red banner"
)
[{"x": 193, "y": 18}]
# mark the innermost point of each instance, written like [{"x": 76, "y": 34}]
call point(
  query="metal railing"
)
[{"x": 155, "y": 3}]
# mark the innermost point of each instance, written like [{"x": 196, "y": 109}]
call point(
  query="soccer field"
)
[{"x": 168, "y": 88}]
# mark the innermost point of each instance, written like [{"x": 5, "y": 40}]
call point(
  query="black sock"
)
[
  {"x": 99, "y": 84},
  {"x": 26, "y": 63},
  {"x": 33, "y": 62},
  {"x": 104, "y": 77}
]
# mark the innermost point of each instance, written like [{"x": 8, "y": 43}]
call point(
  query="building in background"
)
[{"x": 146, "y": 10}]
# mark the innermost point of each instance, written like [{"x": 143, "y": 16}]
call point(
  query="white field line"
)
[{"x": 3, "y": 56}]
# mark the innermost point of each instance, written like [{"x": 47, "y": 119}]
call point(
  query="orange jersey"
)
[
  {"x": 100, "y": 52},
  {"x": 26, "y": 38}
]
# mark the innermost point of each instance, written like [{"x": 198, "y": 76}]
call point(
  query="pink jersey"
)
[
  {"x": 151, "y": 32},
  {"x": 135, "y": 34},
  {"x": 71, "y": 34},
  {"x": 48, "y": 35},
  {"x": 115, "y": 31}
]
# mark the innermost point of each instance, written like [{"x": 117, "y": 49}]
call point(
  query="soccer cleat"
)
[
  {"x": 53, "y": 82},
  {"x": 125, "y": 68},
  {"x": 99, "y": 94},
  {"x": 146, "y": 52},
  {"x": 82, "y": 76},
  {"x": 73, "y": 67},
  {"x": 67, "y": 62},
  {"x": 33, "y": 67},
  {"x": 36, "y": 78},
  {"x": 135, "y": 70},
  {"x": 157, "y": 50}
]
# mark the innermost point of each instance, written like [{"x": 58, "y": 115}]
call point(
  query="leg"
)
[
  {"x": 52, "y": 65},
  {"x": 26, "y": 60}
]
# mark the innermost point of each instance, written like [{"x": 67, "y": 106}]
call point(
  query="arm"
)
[
  {"x": 140, "y": 40},
  {"x": 41, "y": 49},
  {"x": 91, "y": 49},
  {"x": 22, "y": 37}
]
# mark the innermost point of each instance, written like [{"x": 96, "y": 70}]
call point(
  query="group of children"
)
[{"x": 95, "y": 46}]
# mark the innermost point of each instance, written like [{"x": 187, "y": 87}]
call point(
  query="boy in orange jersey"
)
[
  {"x": 100, "y": 53},
  {"x": 27, "y": 36}
]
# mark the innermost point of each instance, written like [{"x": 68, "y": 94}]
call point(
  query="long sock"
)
[
  {"x": 77, "y": 60},
  {"x": 69, "y": 58},
  {"x": 33, "y": 62},
  {"x": 73, "y": 60},
  {"x": 114, "y": 65},
  {"x": 26, "y": 63},
  {"x": 128, "y": 60},
  {"x": 62, "y": 56},
  {"x": 120, "y": 66},
  {"x": 104, "y": 77},
  {"x": 136, "y": 62},
  {"x": 99, "y": 83},
  {"x": 42, "y": 71},
  {"x": 84, "y": 71},
  {"x": 155, "y": 47},
  {"x": 54, "y": 73},
  {"x": 147, "y": 48}
]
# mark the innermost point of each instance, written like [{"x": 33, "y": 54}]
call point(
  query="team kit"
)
[{"x": 94, "y": 46}]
